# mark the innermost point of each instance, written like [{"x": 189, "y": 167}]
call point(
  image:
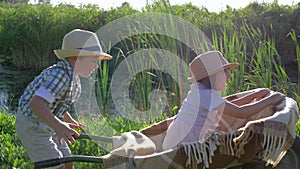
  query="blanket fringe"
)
[
  {"x": 203, "y": 151},
  {"x": 274, "y": 142},
  {"x": 278, "y": 133},
  {"x": 227, "y": 147}
]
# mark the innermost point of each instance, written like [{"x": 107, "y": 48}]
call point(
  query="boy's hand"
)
[
  {"x": 65, "y": 131},
  {"x": 76, "y": 125}
]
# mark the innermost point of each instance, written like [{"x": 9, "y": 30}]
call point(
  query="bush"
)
[{"x": 11, "y": 150}]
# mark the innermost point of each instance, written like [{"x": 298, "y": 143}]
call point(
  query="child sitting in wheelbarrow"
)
[
  {"x": 214, "y": 132},
  {"x": 203, "y": 111}
]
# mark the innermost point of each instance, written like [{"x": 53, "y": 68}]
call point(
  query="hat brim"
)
[
  {"x": 64, "y": 53},
  {"x": 228, "y": 66}
]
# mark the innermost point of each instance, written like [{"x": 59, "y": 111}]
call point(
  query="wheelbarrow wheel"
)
[{"x": 290, "y": 160}]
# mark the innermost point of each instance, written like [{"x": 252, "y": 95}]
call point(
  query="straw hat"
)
[
  {"x": 208, "y": 63},
  {"x": 81, "y": 43}
]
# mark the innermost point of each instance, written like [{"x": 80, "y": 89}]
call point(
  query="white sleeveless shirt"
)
[{"x": 197, "y": 117}]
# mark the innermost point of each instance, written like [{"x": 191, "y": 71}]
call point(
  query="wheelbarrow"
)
[
  {"x": 143, "y": 149},
  {"x": 171, "y": 159}
]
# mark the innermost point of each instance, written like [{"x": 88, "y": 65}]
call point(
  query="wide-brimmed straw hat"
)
[
  {"x": 81, "y": 43},
  {"x": 208, "y": 63}
]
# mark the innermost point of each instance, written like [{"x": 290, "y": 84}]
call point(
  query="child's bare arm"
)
[
  {"x": 250, "y": 109},
  {"x": 250, "y": 97},
  {"x": 63, "y": 131}
]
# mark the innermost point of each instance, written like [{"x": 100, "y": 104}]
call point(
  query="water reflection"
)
[{"x": 12, "y": 84}]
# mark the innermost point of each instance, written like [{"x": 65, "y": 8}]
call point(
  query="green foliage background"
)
[
  {"x": 31, "y": 32},
  {"x": 260, "y": 36}
]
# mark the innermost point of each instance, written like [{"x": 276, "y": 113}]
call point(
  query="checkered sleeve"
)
[{"x": 56, "y": 82}]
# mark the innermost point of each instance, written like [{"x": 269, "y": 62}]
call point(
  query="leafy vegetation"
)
[
  {"x": 32, "y": 32},
  {"x": 12, "y": 153}
]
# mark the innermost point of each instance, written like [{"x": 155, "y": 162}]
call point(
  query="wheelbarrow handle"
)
[
  {"x": 74, "y": 158},
  {"x": 95, "y": 137}
]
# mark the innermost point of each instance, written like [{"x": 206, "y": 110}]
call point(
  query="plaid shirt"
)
[{"x": 55, "y": 79}]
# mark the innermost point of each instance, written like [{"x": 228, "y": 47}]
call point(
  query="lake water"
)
[{"x": 12, "y": 84}]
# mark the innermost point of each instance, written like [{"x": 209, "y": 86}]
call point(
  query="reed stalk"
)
[{"x": 294, "y": 38}]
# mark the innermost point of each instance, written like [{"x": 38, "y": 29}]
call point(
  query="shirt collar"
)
[{"x": 67, "y": 66}]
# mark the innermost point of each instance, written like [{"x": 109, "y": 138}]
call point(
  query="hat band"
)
[{"x": 92, "y": 48}]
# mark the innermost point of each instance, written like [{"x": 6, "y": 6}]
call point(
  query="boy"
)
[{"x": 47, "y": 98}]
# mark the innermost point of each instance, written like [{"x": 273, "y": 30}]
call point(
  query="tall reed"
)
[
  {"x": 260, "y": 68},
  {"x": 294, "y": 37}
]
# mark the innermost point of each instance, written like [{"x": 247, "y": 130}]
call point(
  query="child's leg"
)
[
  {"x": 36, "y": 139},
  {"x": 230, "y": 124},
  {"x": 69, "y": 166},
  {"x": 64, "y": 148}
]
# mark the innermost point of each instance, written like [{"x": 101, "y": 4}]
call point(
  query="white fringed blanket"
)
[{"x": 277, "y": 129}]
